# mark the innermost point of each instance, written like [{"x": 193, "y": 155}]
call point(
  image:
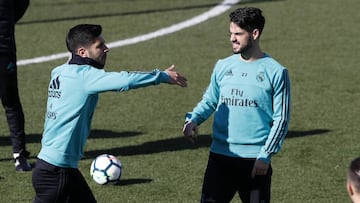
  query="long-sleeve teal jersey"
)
[
  {"x": 251, "y": 101},
  {"x": 72, "y": 98}
]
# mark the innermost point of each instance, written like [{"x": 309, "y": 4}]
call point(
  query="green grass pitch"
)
[{"x": 317, "y": 40}]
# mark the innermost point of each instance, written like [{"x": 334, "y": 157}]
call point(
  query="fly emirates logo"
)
[{"x": 236, "y": 99}]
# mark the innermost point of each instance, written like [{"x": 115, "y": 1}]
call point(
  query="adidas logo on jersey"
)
[
  {"x": 229, "y": 73},
  {"x": 54, "y": 87}
]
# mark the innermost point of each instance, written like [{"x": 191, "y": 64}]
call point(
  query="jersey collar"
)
[{"x": 78, "y": 60}]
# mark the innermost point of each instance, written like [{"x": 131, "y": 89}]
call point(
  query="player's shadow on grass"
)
[
  {"x": 111, "y": 134},
  {"x": 94, "y": 134},
  {"x": 132, "y": 181},
  {"x": 165, "y": 145},
  {"x": 158, "y": 146},
  {"x": 179, "y": 143},
  {"x": 30, "y": 138},
  {"x": 293, "y": 134}
]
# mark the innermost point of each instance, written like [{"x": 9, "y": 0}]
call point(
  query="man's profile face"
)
[
  {"x": 240, "y": 39},
  {"x": 98, "y": 50}
]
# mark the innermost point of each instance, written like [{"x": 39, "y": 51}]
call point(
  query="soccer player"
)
[
  {"x": 250, "y": 94},
  {"x": 353, "y": 180},
  {"x": 11, "y": 11},
  {"x": 72, "y": 97}
]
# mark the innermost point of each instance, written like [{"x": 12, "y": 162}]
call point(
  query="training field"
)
[{"x": 318, "y": 40}]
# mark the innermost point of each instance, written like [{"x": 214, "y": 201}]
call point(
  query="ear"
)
[
  {"x": 349, "y": 188},
  {"x": 256, "y": 34},
  {"x": 82, "y": 52}
]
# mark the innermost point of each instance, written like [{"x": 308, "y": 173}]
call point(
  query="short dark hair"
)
[
  {"x": 354, "y": 173},
  {"x": 248, "y": 18},
  {"x": 82, "y": 35}
]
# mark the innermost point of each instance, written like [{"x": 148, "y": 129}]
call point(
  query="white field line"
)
[{"x": 215, "y": 11}]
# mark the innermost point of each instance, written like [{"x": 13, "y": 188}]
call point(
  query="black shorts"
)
[
  {"x": 225, "y": 176},
  {"x": 55, "y": 184}
]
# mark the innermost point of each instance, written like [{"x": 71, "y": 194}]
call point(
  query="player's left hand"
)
[
  {"x": 260, "y": 168},
  {"x": 190, "y": 131},
  {"x": 175, "y": 77}
]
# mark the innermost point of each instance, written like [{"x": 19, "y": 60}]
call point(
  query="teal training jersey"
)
[
  {"x": 251, "y": 101},
  {"x": 72, "y": 98}
]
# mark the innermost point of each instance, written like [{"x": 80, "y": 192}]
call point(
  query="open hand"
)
[{"x": 175, "y": 77}]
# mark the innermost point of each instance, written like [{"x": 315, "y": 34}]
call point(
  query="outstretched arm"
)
[{"x": 98, "y": 80}]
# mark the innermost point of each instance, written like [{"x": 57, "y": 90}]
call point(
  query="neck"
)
[
  {"x": 252, "y": 54},
  {"x": 355, "y": 198}
]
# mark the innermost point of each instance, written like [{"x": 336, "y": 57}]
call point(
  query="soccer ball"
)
[{"x": 106, "y": 169}]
